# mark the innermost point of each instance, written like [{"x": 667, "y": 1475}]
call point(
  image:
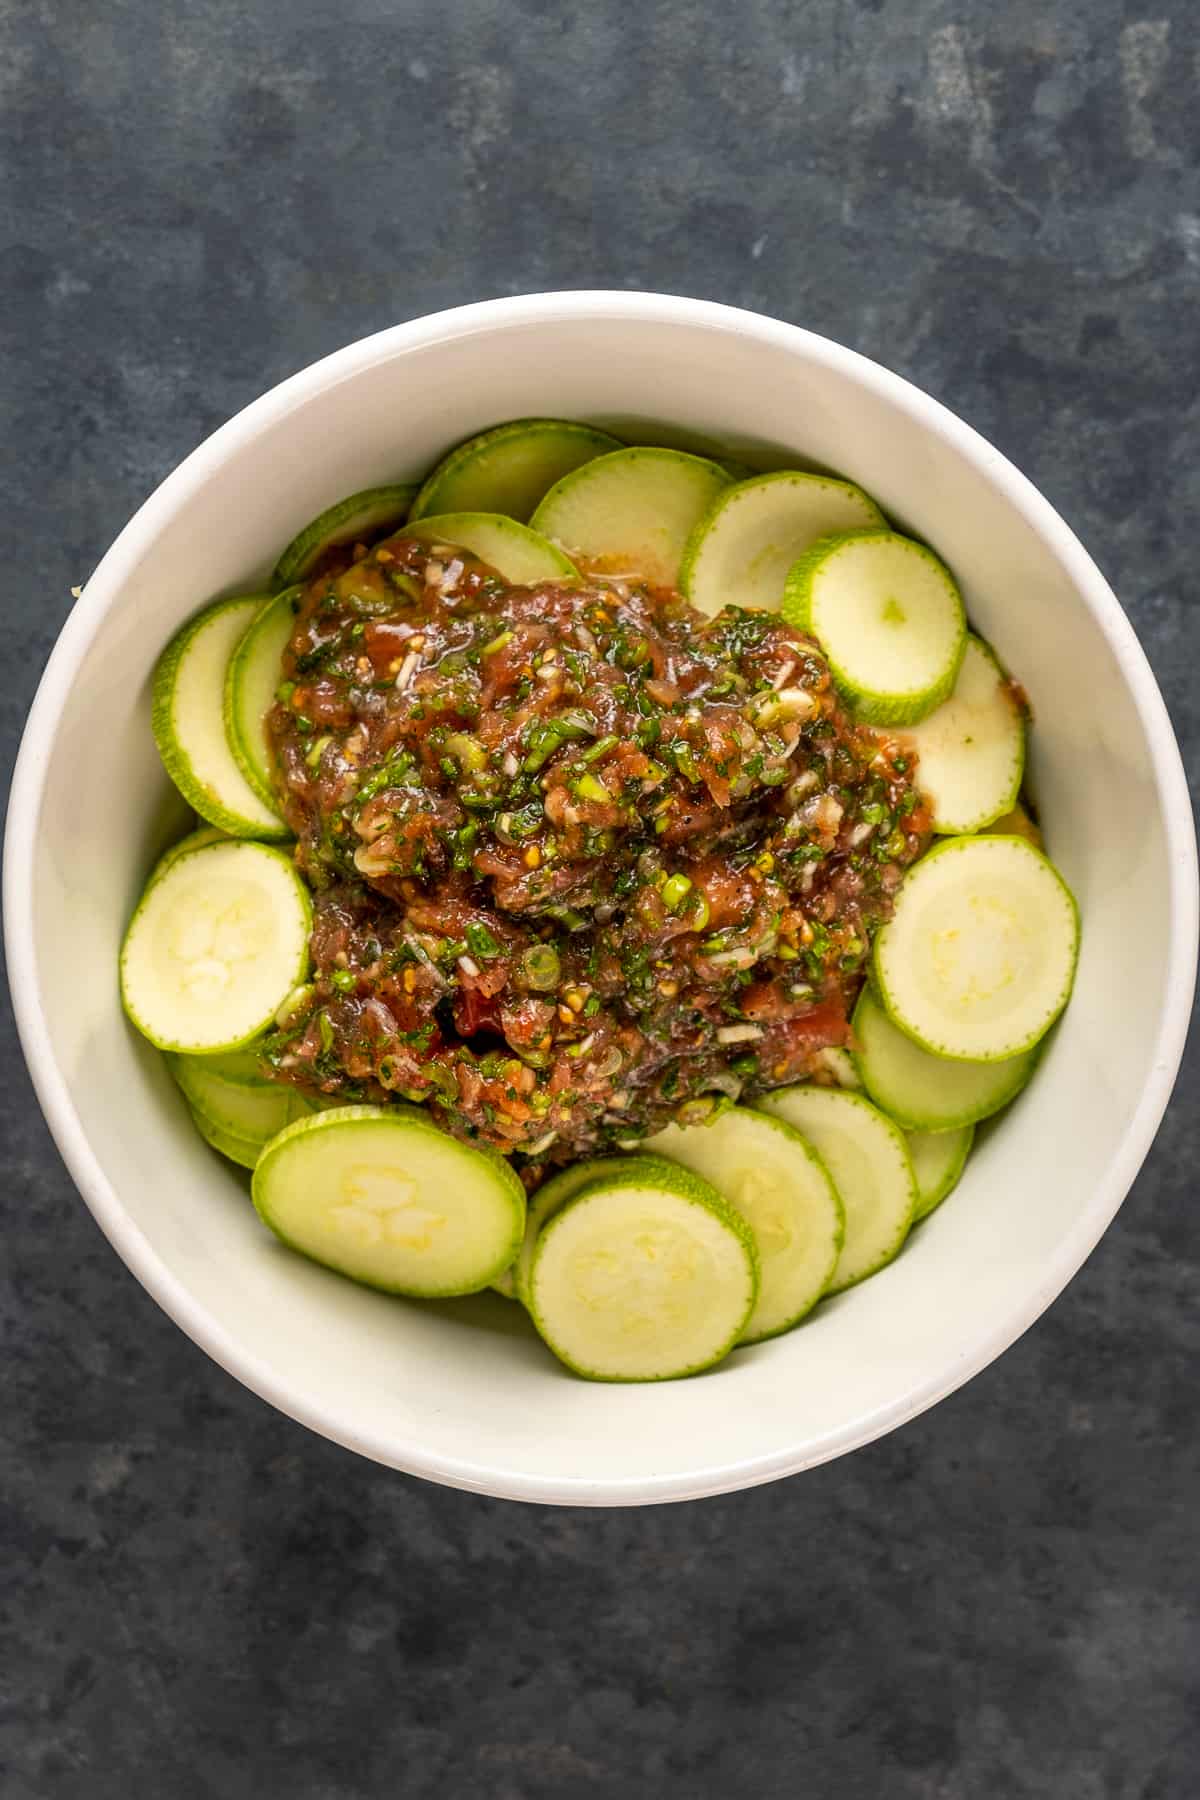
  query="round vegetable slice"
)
[
  {"x": 971, "y": 749},
  {"x": 244, "y": 1151},
  {"x": 1017, "y": 823},
  {"x": 742, "y": 549},
  {"x": 889, "y": 618},
  {"x": 867, "y": 1157},
  {"x": 553, "y": 1195},
  {"x": 239, "y": 1108},
  {"x": 189, "y": 724},
  {"x": 361, "y": 518},
  {"x": 250, "y": 683},
  {"x": 510, "y": 467},
  {"x": 241, "y": 1066},
  {"x": 218, "y": 940},
  {"x": 519, "y": 554},
  {"x": 505, "y": 1283},
  {"x": 643, "y": 1280},
  {"x": 774, "y": 1178},
  {"x": 380, "y": 1194},
  {"x": 632, "y": 511},
  {"x": 938, "y": 1159},
  {"x": 839, "y": 1066},
  {"x": 978, "y": 958},
  {"x": 924, "y": 1092},
  {"x": 195, "y": 840}
]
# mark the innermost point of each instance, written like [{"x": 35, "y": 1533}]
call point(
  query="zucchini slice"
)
[
  {"x": 774, "y": 1178},
  {"x": 554, "y": 1193},
  {"x": 938, "y": 1159},
  {"x": 509, "y": 468},
  {"x": 243, "y": 1151},
  {"x": 971, "y": 749},
  {"x": 254, "y": 673},
  {"x": 251, "y": 1111},
  {"x": 515, "y": 551},
  {"x": 643, "y": 1279},
  {"x": 195, "y": 840},
  {"x": 189, "y": 722},
  {"x": 742, "y": 549},
  {"x": 381, "y": 1195},
  {"x": 361, "y": 518},
  {"x": 978, "y": 958},
  {"x": 632, "y": 511},
  {"x": 889, "y": 618},
  {"x": 867, "y": 1157},
  {"x": 924, "y": 1092},
  {"x": 218, "y": 941}
]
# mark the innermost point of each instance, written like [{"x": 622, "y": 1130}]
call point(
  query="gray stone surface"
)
[{"x": 200, "y": 1599}]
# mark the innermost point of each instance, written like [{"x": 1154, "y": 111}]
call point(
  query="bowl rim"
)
[{"x": 28, "y": 790}]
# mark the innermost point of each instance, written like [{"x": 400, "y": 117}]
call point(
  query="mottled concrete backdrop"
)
[{"x": 200, "y": 1600}]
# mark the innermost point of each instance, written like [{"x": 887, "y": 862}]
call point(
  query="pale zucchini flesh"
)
[
  {"x": 632, "y": 512},
  {"x": 1017, "y": 823},
  {"x": 509, "y": 468},
  {"x": 251, "y": 679},
  {"x": 924, "y": 1092},
  {"x": 740, "y": 552},
  {"x": 938, "y": 1159},
  {"x": 189, "y": 725},
  {"x": 889, "y": 618},
  {"x": 522, "y": 555},
  {"x": 195, "y": 840},
  {"x": 218, "y": 940},
  {"x": 971, "y": 749},
  {"x": 381, "y": 1195},
  {"x": 360, "y": 518},
  {"x": 636, "y": 1280},
  {"x": 867, "y": 1158},
  {"x": 243, "y": 1151},
  {"x": 978, "y": 958},
  {"x": 554, "y": 1193},
  {"x": 774, "y": 1178},
  {"x": 251, "y": 1111}
]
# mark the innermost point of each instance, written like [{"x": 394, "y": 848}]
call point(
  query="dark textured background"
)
[{"x": 200, "y": 1599}]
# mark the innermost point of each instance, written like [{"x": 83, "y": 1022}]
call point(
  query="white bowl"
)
[{"x": 463, "y": 1393}]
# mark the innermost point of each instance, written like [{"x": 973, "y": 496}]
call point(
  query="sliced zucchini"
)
[
  {"x": 867, "y": 1157},
  {"x": 254, "y": 673},
  {"x": 638, "y": 1279},
  {"x": 505, "y": 1283},
  {"x": 774, "y": 1178},
  {"x": 924, "y": 1092},
  {"x": 362, "y": 518},
  {"x": 753, "y": 533},
  {"x": 938, "y": 1159},
  {"x": 244, "y": 1151},
  {"x": 218, "y": 941},
  {"x": 839, "y": 1065},
  {"x": 633, "y": 510},
  {"x": 254, "y": 1112},
  {"x": 510, "y": 467},
  {"x": 189, "y": 726},
  {"x": 553, "y": 1194},
  {"x": 521, "y": 555},
  {"x": 381, "y": 1195},
  {"x": 889, "y": 618},
  {"x": 241, "y": 1066},
  {"x": 971, "y": 750},
  {"x": 195, "y": 840},
  {"x": 978, "y": 958},
  {"x": 1017, "y": 823}
]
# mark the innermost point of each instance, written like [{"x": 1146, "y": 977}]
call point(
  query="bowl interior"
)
[{"x": 463, "y": 1391}]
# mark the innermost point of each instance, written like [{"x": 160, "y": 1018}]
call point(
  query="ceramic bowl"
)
[{"x": 464, "y": 1392}]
